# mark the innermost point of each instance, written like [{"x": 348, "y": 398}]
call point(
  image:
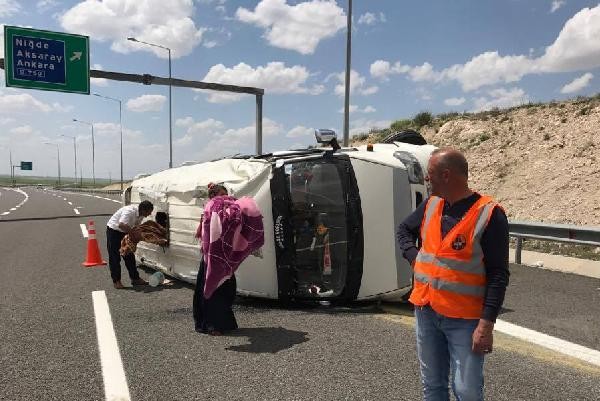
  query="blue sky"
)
[{"x": 407, "y": 57}]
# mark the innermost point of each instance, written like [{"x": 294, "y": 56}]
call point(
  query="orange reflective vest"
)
[{"x": 449, "y": 273}]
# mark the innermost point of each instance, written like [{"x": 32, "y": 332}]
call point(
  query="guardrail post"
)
[{"x": 518, "y": 250}]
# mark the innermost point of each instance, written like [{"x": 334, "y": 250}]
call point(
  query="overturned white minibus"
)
[{"x": 330, "y": 217}]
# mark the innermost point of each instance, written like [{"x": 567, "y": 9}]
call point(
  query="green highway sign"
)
[
  {"x": 46, "y": 60},
  {"x": 26, "y": 165}
]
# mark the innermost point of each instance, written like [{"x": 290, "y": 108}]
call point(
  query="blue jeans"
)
[{"x": 444, "y": 348}]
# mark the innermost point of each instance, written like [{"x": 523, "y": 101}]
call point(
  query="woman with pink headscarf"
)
[{"x": 230, "y": 229}]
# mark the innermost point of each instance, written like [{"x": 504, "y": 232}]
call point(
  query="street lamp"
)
[
  {"x": 57, "y": 157},
  {"x": 74, "y": 152},
  {"x": 93, "y": 149},
  {"x": 170, "y": 113},
  {"x": 120, "y": 126},
  {"x": 347, "y": 89}
]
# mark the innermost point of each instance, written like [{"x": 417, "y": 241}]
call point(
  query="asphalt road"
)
[{"x": 49, "y": 347}]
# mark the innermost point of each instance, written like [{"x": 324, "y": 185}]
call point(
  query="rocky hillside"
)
[{"x": 540, "y": 161}]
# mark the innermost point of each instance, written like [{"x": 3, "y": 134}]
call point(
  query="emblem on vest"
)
[{"x": 459, "y": 242}]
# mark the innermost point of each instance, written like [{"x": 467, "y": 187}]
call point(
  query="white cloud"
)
[
  {"x": 45, "y": 5},
  {"x": 150, "y": 21},
  {"x": 9, "y": 8},
  {"x": 300, "y": 27},
  {"x": 215, "y": 37},
  {"x": 371, "y": 18},
  {"x": 206, "y": 127},
  {"x": 358, "y": 84},
  {"x": 61, "y": 108},
  {"x": 577, "y": 46},
  {"x": 454, "y": 101},
  {"x": 234, "y": 141},
  {"x": 146, "y": 103},
  {"x": 369, "y": 109},
  {"x": 98, "y": 81},
  {"x": 23, "y": 130},
  {"x": 424, "y": 72},
  {"x": 202, "y": 129},
  {"x": 578, "y": 83},
  {"x": 275, "y": 78},
  {"x": 556, "y": 4},
  {"x": 362, "y": 125},
  {"x": 382, "y": 69},
  {"x": 489, "y": 68},
  {"x": 300, "y": 131},
  {"x": 6, "y": 120},
  {"x": 501, "y": 98},
  {"x": 184, "y": 122},
  {"x": 113, "y": 131},
  {"x": 355, "y": 109},
  {"x": 22, "y": 103},
  {"x": 2, "y": 46}
]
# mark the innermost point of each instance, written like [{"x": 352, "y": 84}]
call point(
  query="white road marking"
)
[
  {"x": 5, "y": 213},
  {"x": 84, "y": 230},
  {"x": 64, "y": 199},
  {"x": 13, "y": 208},
  {"x": 115, "y": 381},
  {"x": 70, "y": 203},
  {"x": 76, "y": 211},
  {"x": 555, "y": 344}
]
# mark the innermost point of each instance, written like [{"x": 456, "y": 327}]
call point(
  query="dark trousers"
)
[
  {"x": 113, "y": 243},
  {"x": 215, "y": 313}
]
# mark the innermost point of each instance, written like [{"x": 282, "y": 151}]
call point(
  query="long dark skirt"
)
[{"x": 215, "y": 313}]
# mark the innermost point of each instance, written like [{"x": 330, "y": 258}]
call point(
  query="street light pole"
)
[
  {"x": 93, "y": 149},
  {"x": 347, "y": 92},
  {"x": 170, "y": 103},
  {"x": 74, "y": 152},
  {"x": 120, "y": 126},
  {"x": 57, "y": 157},
  {"x": 170, "y": 117}
]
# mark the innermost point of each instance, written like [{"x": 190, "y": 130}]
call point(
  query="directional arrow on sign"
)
[{"x": 76, "y": 56}]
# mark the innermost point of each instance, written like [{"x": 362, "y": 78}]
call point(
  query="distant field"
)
[{"x": 33, "y": 180}]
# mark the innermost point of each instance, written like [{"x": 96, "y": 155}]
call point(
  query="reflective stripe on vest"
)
[
  {"x": 429, "y": 210},
  {"x": 450, "y": 277},
  {"x": 459, "y": 288}
]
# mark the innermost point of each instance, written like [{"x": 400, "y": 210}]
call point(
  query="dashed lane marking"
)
[
  {"x": 12, "y": 209},
  {"x": 115, "y": 381},
  {"x": 70, "y": 203},
  {"x": 76, "y": 211},
  {"x": 84, "y": 231}
]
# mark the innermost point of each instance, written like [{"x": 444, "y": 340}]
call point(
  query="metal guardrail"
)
[
  {"x": 581, "y": 235},
  {"x": 92, "y": 191}
]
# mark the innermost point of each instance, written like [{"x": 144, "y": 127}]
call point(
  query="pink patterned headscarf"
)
[{"x": 231, "y": 230}]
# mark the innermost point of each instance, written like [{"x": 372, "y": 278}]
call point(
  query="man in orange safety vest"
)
[{"x": 460, "y": 277}]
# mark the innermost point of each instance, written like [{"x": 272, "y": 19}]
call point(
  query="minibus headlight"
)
[{"x": 413, "y": 167}]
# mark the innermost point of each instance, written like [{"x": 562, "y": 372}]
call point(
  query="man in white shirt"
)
[{"x": 117, "y": 227}]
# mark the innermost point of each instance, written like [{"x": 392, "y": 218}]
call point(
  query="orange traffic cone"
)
[{"x": 93, "y": 252}]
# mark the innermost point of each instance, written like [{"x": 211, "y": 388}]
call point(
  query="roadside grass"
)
[{"x": 588, "y": 252}]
